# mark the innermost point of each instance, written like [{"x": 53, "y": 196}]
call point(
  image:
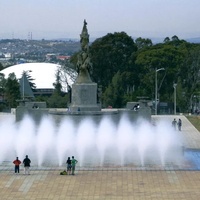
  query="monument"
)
[{"x": 84, "y": 90}]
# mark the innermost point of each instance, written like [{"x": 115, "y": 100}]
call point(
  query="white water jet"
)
[
  {"x": 105, "y": 138},
  {"x": 103, "y": 144},
  {"x": 125, "y": 139},
  {"x": 65, "y": 142},
  {"x": 85, "y": 141},
  {"x": 145, "y": 139},
  {"x": 24, "y": 137},
  {"x": 45, "y": 140},
  {"x": 6, "y": 139}
]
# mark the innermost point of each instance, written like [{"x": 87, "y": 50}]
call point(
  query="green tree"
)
[
  {"x": 190, "y": 75},
  {"x": 12, "y": 90},
  {"x": 109, "y": 55},
  {"x": 113, "y": 95},
  {"x": 1, "y": 67},
  {"x": 58, "y": 99},
  {"x": 142, "y": 43},
  {"x": 158, "y": 56},
  {"x": 2, "y": 91},
  {"x": 57, "y": 85},
  {"x": 30, "y": 79},
  {"x": 166, "y": 40}
]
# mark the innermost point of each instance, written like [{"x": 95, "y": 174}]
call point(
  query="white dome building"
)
[{"x": 44, "y": 74}]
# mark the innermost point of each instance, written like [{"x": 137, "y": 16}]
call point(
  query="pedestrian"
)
[
  {"x": 69, "y": 165},
  {"x": 74, "y": 161},
  {"x": 17, "y": 162},
  {"x": 26, "y": 162},
  {"x": 179, "y": 124},
  {"x": 174, "y": 123}
]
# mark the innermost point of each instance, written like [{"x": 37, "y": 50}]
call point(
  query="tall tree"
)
[
  {"x": 30, "y": 79},
  {"x": 190, "y": 75},
  {"x": 142, "y": 42},
  {"x": 58, "y": 99},
  {"x": 12, "y": 90},
  {"x": 111, "y": 54},
  {"x": 165, "y": 56},
  {"x": 57, "y": 85},
  {"x": 1, "y": 67}
]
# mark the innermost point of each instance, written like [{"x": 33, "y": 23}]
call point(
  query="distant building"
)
[
  {"x": 43, "y": 75},
  {"x": 63, "y": 57}
]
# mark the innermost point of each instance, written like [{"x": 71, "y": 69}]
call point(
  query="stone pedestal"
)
[{"x": 84, "y": 97}]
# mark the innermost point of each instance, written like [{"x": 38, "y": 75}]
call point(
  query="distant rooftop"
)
[{"x": 43, "y": 73}]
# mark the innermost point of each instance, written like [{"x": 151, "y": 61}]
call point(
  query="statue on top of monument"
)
[{"x": 84, "y": 66}]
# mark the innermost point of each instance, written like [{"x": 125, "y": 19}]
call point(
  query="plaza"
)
[{"x": 107, "y": 183}]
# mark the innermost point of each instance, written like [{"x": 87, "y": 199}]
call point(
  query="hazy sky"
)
[{"x": 51, "y": 19}]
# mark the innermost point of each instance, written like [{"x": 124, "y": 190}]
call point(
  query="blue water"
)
[{"x": 192, "y": 159}]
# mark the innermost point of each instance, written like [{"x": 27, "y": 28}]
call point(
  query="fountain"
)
[
  {"x": 96, "y": 137},
  {"x": 93, "y": 144}
]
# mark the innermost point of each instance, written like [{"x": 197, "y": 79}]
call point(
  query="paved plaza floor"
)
[{"x": 109, "y": 183}]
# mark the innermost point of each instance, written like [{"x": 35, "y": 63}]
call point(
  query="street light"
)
[
  {"x": 23, "y": 77},
  {"x": 174, "y": 85},
  {"x": 156, "y": 88}
]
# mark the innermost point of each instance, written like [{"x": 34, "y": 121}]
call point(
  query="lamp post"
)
[
  {"x": 156, "y": 88},
  {"x": 174, "y": 85},
  {"x": 23, "y": 77}
]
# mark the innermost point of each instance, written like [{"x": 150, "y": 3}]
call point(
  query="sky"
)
[{"x": 53, "y": 19}]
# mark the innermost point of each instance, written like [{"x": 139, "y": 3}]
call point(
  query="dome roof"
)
[{"x": 44, "y": 74}]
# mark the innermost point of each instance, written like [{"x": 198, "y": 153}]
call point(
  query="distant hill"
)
[
  {"x": 155, "y": 40},
  {"x": 193, "y": 40}
]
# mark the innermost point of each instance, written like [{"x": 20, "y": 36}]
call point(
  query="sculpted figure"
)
[{"x": 84, "y": 65}]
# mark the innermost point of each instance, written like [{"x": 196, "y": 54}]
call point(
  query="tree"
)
[
  {"x": 113, "y": 95},
  {"x": 175, "y": 38},
  {"x": 1, "y": 67},
  {"x": 2, "y": 91},
  {"x": 158, "y": 56},
  {"x": 67, "y": 70},
  {"x": 190, "y": 75},
  {"x": 109, "y": 55},
  {"x": 120, "y": 90},
  {"x": 142, "y": 43},
  {"x": 58, "y": 99},
  {"x": 57, "y": 85},
  {"x": 166, "y": 40},
  {"x": 30, "y": 79},
  {"x": 12, "y": 90}
]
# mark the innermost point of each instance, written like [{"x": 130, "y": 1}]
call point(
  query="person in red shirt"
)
[{"x": 17, "y": 162}]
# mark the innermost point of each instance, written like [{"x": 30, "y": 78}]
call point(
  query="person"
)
[
  {"x": 26, "y": 162},
  {"x": 17, "y": 162},
  {"x": 69, "y": 165},
  {"x": 74, "y": 161},
  {"x": 174, "y": 122},
  {"x": 179, "y": 124}
]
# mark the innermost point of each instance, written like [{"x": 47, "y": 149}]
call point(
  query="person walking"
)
[
  {"x": 174, "y": 123},
  {"x": 69, "y": 165},
  {"x": 179, "y": 124},
  {"x": 26, "y": 162},
  {"x": 17, "y": 162},
  {"x": 74, "y": 161}
]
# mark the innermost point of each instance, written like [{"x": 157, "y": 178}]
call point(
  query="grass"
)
[{"x": 195, "y": 120}]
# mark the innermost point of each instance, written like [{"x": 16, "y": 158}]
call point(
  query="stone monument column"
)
[{"x": 84, "y": 91}]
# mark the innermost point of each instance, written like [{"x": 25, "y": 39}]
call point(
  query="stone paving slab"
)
[{"x": 133, "y": 185}]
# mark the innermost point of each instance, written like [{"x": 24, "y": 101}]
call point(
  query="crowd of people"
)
[{"x": 71, "y": 164}]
